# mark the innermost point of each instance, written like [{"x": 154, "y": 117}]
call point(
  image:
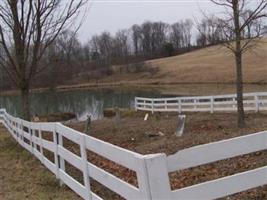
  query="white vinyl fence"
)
[
  {"x": 252, "y": 102},
  {"x": 151, "y": 170}
]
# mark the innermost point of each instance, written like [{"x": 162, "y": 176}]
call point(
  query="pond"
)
[
  {"x": 94, "y": 101},
  {"x": 80, "y": 102}
]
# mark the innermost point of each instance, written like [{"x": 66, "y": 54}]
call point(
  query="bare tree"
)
[
  {"x": 187, "y": 29},
  {"x": 210, "y": 32},
  {"x": 27, "y": 29},
  {"x": 68, "y": 46},
  {"x": 253, "y": 28},
  {"x": 136, "y": 39},
  {"x": 158, "y": 36},
  {"x": 65, "y": 59},
  {"x": 181, "y": 34},
  {"x": 94, "y": 47},
  {"x": 151, "y": 36},
  {"x": 176, "y": 35},
  {"x": 121, "y": 46},
  {"x": 234, "y": 24},
  {"x": 146, "y": 30},
  {"x": 104, "y": 44}
]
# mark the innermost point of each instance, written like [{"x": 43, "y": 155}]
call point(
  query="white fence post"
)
[
  {"x": 211, "y": 104},
  {"x": 142, "y": 179},
  {"x": 16, "y": 135},
  {"x": 157, "y": 176},
  {"x": 180, "y": 105},
  {"x": 86, "y": 177},
  {"x": 234, "y": 104},
  {"x": 195, "y": 102},
  {"x": 22, "y": 134},
  {"x": 152, "y": 103},
  {"x": 166, "y": 105},
  {"x": 31, "y": 141},
  {"x": 55, "y": 139},
  {"x": 135, "y": 104},
  {"x": 256, "y": 98},
  {"x": 41, "y": 144},
  {"x": 34, "y": 142},
  {"x": 61, "y": 160}
]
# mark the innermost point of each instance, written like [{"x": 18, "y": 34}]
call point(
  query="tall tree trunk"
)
[
  {"x": 25, "y": 100},
  {"x": 238, "y": 59},
  {"x": 239, "y": 91}
]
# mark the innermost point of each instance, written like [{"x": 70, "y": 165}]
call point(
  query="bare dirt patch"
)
[{"x": 200, "y": 128}]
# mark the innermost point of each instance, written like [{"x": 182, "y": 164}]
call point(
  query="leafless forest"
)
[{"x": 67, "y": 57}]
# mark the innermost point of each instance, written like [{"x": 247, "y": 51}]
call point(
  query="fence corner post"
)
[
  {"x": 157, "y": 176},
  {"x": 135, "y": 104}
]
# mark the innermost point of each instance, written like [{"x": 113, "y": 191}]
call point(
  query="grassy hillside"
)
[
  {"x": 214, "y": 64},
  {"x": 208, "y": 65}
]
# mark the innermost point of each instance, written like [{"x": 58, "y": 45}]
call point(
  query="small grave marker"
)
[
  {"x": 181, "y": 123},
  {"x": 146, "y": 117},
  {"x": 88, "y": 124},
  {"x": 117, "y": 117}
]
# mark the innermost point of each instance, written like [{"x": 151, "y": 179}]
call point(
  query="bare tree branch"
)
[
  {"x": 27, "y": 29},
  {"x": 241, "y": 18}
]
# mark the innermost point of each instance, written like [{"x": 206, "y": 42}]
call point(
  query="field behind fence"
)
[
  {"x": 220, "y": 103},
  {"x": 152, "y": 171}
]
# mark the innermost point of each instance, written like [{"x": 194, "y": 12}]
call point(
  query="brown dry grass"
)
[
  {"x": 213, "y": 64},
  {"x": 205, "y": 66},
  {"x": 208, "y": 65}
]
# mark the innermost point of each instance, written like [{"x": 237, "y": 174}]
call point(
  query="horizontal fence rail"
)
[
  {"x": 252, "y": 102},
  {"x": 30, "y": 136},
  {"x": 152, "y": 171},
  {"x": 212, "y": 152}
]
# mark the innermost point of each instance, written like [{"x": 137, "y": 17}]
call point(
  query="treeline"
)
[
  {"x": 159, "y": 39},
  {"x": 145, "y": 41},
  {"x": 127, "y": 48},
  {"x": 148, "y": 40},
  {"x": 69, "y": 61}
]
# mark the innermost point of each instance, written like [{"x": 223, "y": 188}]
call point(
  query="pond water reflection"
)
[{"x": 80, "y": 102}]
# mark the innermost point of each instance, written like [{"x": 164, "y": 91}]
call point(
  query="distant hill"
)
[{"x": 208, "y": 65}]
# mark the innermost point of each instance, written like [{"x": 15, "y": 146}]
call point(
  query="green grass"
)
[{"x": 22, "y": 176}]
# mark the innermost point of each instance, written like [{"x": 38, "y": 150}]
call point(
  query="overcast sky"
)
[{"x": 112, "y": 15}]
